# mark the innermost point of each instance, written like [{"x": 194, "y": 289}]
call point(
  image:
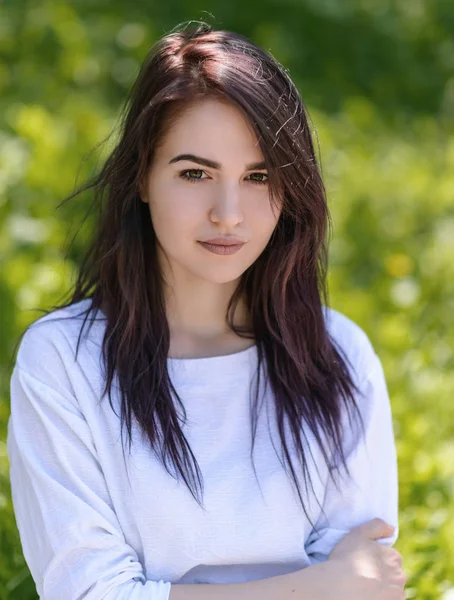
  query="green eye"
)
[
  {"x": 192, "y": 174},
  {"x": 260, "y": 176}
]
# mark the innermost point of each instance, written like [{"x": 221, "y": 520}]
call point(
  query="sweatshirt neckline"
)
[
  {"x": 213, "y": 370},
  {"x": 214, "y": 361}
]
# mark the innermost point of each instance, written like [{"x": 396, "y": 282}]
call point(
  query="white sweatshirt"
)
[{"x": 92, "y": 529}]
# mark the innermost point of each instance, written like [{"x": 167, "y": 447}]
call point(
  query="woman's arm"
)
[
  {"x": 305, "y": 584},
  {"x": 372, "y": 489},
  {"x": 71, "y": 538},
  {"x": 359, "y": 568}
]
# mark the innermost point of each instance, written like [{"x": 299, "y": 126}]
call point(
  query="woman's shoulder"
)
[
  {"x": 351, "y": 340},
  {"x": 49, "y": 343}
]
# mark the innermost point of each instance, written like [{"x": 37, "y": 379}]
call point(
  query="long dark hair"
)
[{"x": 285, "y": 288}]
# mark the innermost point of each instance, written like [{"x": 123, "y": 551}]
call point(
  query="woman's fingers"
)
[{"x": 375, "y": 529}]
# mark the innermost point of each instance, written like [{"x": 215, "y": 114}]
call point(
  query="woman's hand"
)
[{"x": 359, "y": 567}]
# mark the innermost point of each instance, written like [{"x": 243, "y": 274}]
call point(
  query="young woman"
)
[{"x": 211, "y": 340}]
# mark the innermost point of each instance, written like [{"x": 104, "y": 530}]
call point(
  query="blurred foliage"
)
[{"x": 378, "y": 79}]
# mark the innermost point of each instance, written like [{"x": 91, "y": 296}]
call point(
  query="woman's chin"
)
[{"x": 220, "y": 274}]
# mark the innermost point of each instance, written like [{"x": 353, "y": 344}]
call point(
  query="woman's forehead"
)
[{"x": 211, "y": 126}]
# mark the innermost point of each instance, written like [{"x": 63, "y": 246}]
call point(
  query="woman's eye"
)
[
  {"x": 259, "y": 178},
  {"x": 192, "y": 174}
]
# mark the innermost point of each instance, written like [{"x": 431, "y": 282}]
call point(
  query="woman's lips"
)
[{"x": 221, "y": 248}]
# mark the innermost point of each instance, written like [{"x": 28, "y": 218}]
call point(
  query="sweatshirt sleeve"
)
[
  {"x": 70, "y": 535},
  {"x": 372, "y": 490}
]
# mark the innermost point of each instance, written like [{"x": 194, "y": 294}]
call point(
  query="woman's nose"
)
[{"x": 226, "y": 209}]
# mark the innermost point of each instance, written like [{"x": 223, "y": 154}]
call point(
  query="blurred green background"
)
[{"x": 378, "y": 79}]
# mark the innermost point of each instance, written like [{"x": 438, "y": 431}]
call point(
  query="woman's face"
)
[{"x": 208, "y": 180}]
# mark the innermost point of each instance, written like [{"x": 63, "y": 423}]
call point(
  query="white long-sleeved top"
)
[{"x": 93, "y": 529}]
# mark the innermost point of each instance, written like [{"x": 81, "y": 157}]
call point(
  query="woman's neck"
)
[{"x": 198, "y": 325}]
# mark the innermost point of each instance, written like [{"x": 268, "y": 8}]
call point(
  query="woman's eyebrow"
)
[{"x": 213, "y": 164}]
